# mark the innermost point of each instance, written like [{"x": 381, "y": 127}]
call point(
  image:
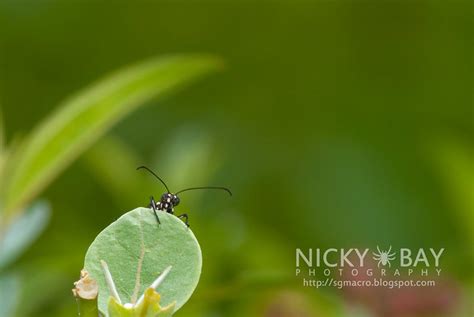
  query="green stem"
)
[
  {"x": 87, "y": 308},
  {"x": 86, "y": 291}
]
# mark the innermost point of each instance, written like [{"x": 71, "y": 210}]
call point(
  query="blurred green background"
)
[{"x": 335, "y": 123}]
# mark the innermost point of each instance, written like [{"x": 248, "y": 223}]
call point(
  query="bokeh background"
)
[{"x": 335, "y": 123}]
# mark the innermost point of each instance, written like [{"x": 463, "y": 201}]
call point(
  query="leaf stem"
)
[
  {"x": 155, "y": 283},
  {"x": 110, "y": 281}
]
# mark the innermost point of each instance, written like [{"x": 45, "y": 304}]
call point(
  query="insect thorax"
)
[{"x": 167, "y": 202}]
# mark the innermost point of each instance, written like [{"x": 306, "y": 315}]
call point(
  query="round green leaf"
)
[{"x": 137, "y": 249}]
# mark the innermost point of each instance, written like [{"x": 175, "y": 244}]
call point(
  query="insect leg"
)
[
  {"x": 185, "y": 216},
  {"x": 154, "y": 207}
]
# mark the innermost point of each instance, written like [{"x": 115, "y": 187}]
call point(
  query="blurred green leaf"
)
[
  {"x": 9, "y": 294},
  {"x": 39, "y": 275},
  {"x": 2, "y": 133},
  {"x": 120, "y": 179},
  {"x": 190, "y": 156},
  {"x": 82, "y": 119},
  {"x": 2, "y": 149},
  {"x": 137, "y": 250},
  {"x": 456, "y": 166},
  {"x": 22, "y": 232}
]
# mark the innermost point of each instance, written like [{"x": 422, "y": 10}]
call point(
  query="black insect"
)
[{"x": 170, "y": 200}]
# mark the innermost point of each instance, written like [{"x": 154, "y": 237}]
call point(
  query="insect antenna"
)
[
  {"x": 206, "y": 187},
  {"x": 153, "y": 173}
]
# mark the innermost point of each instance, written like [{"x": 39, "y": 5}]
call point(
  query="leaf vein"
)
[{"x": 140, "y": 263}]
